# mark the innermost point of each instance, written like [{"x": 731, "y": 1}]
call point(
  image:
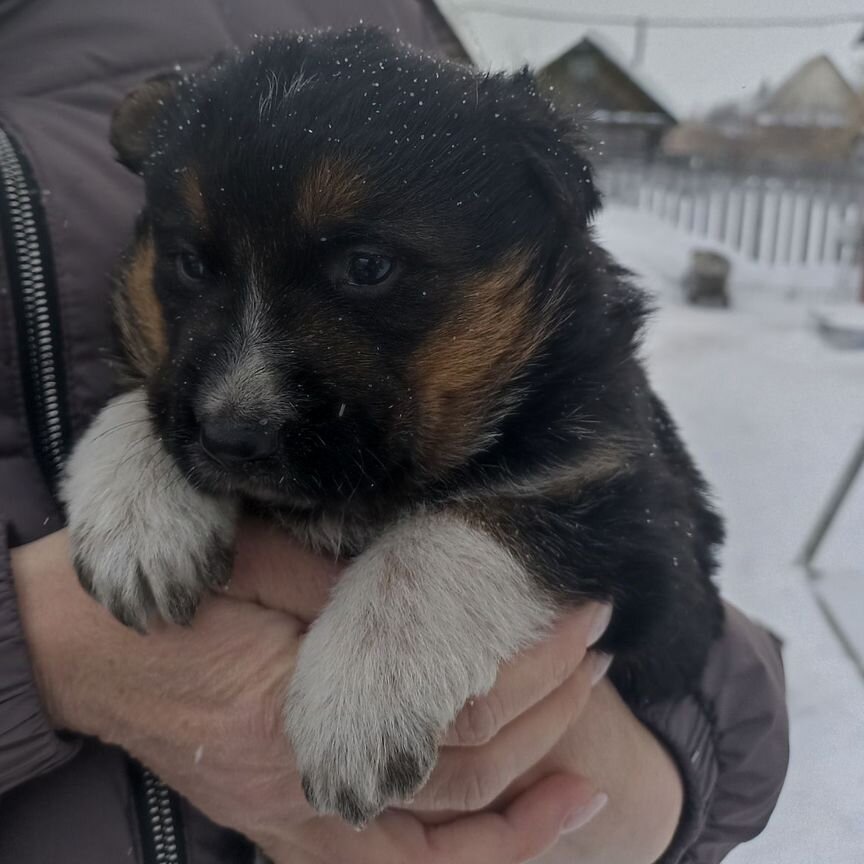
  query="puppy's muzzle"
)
[{"x": 232, "y": 442}]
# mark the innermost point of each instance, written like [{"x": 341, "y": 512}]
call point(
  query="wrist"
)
[{"x": 622, "y": 758}]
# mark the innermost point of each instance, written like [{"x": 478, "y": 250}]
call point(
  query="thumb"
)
[{"x": 528, "y": 827}]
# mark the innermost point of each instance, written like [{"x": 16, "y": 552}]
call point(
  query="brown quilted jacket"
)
[{"x": 66, "y": 209}]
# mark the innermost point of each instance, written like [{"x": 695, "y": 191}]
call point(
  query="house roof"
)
[
  {"x": 814, "y": 115},
  {"x": 611, "y": 54},
  {"x": 816, "y": 94},
  {"x": 690, "y": 69}
]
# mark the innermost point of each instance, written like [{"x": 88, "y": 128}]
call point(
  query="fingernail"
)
[
  {"x": 581, "y": 816},
  {"x": 602, "y": 662},
  {"x": 599, "y": 624}
]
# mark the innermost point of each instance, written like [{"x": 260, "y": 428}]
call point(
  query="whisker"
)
[
  {"x": 135, "y": 447},
  {"x": 124, "y": 425}
]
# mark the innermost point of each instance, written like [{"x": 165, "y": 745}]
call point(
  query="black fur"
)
[{"x": 455, "y": 172}]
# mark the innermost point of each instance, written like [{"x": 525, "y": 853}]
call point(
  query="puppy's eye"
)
[
  {"x": 368, "y": 268},
  {"x": 190, "y": 267}
]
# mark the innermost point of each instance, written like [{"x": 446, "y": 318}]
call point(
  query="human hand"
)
[
  {"x": 593, "y": 735},
  {"x": 552, "y": 710},
  {"x": 201, "y": 706},
  {"x": 485, "y": 750},
  {"x": 531, "y": 824},
  {"x": 499, "y": 737}
]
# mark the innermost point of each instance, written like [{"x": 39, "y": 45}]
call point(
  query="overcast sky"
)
[{"x": 691, "y": 69}]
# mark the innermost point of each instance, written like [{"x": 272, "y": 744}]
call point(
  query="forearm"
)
[{"x": 731, "y": 741}]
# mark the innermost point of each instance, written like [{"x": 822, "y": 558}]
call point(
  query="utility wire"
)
[{"x": 663, "y": 21}]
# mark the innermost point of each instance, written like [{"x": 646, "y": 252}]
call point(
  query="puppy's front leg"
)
[
  {"x": 416, "y": 626},
  {"x": 144, "y": 541}
]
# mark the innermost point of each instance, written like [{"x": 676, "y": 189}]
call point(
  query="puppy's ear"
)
[
  {"x": 134, "y": 120},
  {"x": 552, "y": 144}
]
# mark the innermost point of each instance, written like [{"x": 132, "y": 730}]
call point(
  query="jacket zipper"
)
[
  {"x": 27, "y": 247},
  {"x": 159, "y": 816},
  {"x": 31, "y": 277}
]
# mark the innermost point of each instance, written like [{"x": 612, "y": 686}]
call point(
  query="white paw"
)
[
  {"x": 145, "y": 543},
  {"x": 361, "y": 739},
  {"x": 416, "y": 626}
]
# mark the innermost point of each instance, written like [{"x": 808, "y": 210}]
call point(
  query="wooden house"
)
[
  {"x": 813, "y": 122},
  {"x": 627, "y": 119}
]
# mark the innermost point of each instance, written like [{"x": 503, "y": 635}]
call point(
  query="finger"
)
[
  {"x": 274, "y": 570},
  {"x": 529, "y": 825},
  {"x": 468, "y": 779},
  {"x": 531, "y": 677},
  {"x": 524, "y": 831}
]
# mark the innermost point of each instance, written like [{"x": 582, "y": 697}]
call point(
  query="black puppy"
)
[{"x": 364, "y": 298}]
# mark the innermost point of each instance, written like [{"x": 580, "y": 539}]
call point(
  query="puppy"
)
[{"x": 364, "y": 298}]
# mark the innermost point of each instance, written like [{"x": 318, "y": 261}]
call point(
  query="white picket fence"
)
[{"x": 774, "y": 221}]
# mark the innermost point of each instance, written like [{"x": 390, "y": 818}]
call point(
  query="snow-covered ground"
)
[{"x": 772, "y": 415}]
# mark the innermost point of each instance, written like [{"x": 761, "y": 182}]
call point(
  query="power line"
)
[{"x": 667, "y": 22}]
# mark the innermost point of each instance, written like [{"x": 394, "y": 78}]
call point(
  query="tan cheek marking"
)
[
  {"x": 139, "y": 313},
  {"x": 462, "y": 371},
  {"x": 329, "y": 190},
  {"x": 600, "y": 464},
  {"x": 193, "y": 198}
]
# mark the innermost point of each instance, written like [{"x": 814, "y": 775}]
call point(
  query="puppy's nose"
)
[{"x": 231, "y": 442}]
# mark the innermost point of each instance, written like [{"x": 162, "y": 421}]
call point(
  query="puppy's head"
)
[{"x": 342, "y": 275}]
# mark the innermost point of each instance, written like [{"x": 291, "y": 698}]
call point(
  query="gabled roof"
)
[
  {"x": 814, "y": 115},
  {"x": 816, "y": 94},
  {"x": 611, "y": 54}
]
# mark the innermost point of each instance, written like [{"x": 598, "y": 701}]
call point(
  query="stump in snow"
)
[{"x": 706, "y": 282}]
